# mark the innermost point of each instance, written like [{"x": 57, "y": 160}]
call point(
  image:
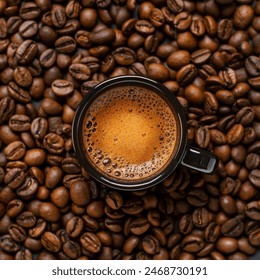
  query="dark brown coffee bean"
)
[
  {"x": 14, "y": 208},
  {"x": 133, "y": 206},
  {"x": 23, "y": 254},
  {"x": 23, "y": 76},
  {"x": 53, "y": 143},
  {"x": 26, "y": 52},
  {"x": 28, "y": 28},
  {"x": 80, "y": 71},
  {"x": 8, "y": 245},
  {"x": 227, "y": 245},
  {"x": 186, "y": 74},
  {"x": 197, "y": 197},
  {"x": 254, "y": 177},
  {"x": 192, "y": 243},
  {"x": 51, "y": 242},
  {"x": 235, "y": 134},
  {"x": 245, "y": 116},
  {"x": 252, "y": 161},
  {"x": 80, "y": 193},
  {"x": 15, "y": 151},
  {"x": 103, "y": 36},
  {"x": 7, "y": 108},
  {"x": 228, "y": 204},
  {"x": 150, "y": 245},
  {"x": 14, "y": 178},
  {"x": 175, "y": 5},
  {"x": 28, "y": 188},
  {"x": 38, "y": 229},
  {"x": 139, "y": 226},
  {"x": 202, "y": 137},
  {"x": 19, "y": 123},
  {"x": 48, "y": 58},
  {"x": 200, "y": 56},
  {"x": 114, "y": 200},
  {"x": 233, "y": 227},
  {"x": 254, "y": 237},
  {"x": 17, "y": 233},
  {"x": 58, "y": 16},
  {"x": 74, "y": 226},
  {"x": 90, "y": 242},
  {"x": 186, "y": 224},
  {"x": 212, "y": 232},
  {"x": 71, "y": 249},
  {"x": 49, "y": 212},
  {"x": 65, "y": 44},
  {"x": 62, "y": 87},
  {"x": 224, "y": 30},
  {"x": 18, "y": 94},
  {"x": 26, "y": 219},
  {"x": 144, "y": 27},
  {"x": 200, "y": 217}
]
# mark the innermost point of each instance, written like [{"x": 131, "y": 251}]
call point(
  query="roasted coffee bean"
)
[
  {"x": 65, "y": 44},
  {"x": 90, "y": 242},
  {"x": 253, "y": 210},
  {"x": 23, "y": 254},
  {"x": 212, "y": 232},
  {"x": 200, "y": 217},
  {"x": 202, "y": 137},
  {"x": 17, "y": 233},
  {"x": 233, "y": 227},
  {"x": 139, "y": 226},
  {"x": 53, "y": 143},
  {"x": 71, "y": 249},
  {"x": 150, "y": 245},
  {"x": 114, "y": 200},
  {"x": 23, "y": 76},
  {"x": 19, "y": 123},
  {"x": 48, "y": 58},
  {"x": 14, "y": 178},
  {"x": 14, "y": 208},
  {"x": 254, "y": 177},
  {"x": 186, "y": 74},
  {"x": 26, "y": 52},
  {"x": 80, "y": 71},
  {"x": 49, "y": 212},
  {"x": 7, "y": 108},
  {"x": 197, "y": 197},
  {"x": 186, "y": 224},
  {"x": 18, "y": 94},
  {"x": 8, "y": 245},
  {"x": 144, "y": 27},
  {"x": 28, "y": 28},
  {"x": 192, "y": 243},
  {"x": 38, "y": 229},
  {"x": 26, "y": 219},
  {"x": 50, "y": 242},
  {"x": 15, "y": 151},
  {"x": 62, "y": 87},
  {"x": 74, "y": 226}
]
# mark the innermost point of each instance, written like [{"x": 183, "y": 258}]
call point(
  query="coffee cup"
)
[{"x": 130, "y": 133}]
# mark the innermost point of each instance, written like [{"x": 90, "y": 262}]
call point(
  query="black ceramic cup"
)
[{"x": 191, "y": 157}]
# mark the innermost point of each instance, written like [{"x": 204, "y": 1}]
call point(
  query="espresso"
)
[{"x": 129, "y": 133}]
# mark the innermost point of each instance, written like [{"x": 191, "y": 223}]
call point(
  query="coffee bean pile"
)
[{"x": 53, "y": 52}]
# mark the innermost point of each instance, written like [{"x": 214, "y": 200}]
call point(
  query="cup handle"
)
[{"x": 200, "y": 160}]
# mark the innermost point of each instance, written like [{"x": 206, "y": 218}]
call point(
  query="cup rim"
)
[{"x": 79, "y": 118}]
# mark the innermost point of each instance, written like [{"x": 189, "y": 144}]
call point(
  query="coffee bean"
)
[
  {"x": 26, "y": 219},
  {"x": 192, "y": 243},
  {"x": 18, "y": 94},
  {"x": 26, "y": 52},
  {"x": 17, "y": 233},
  {"x": 90, "y": 242},
  {"x": 186, "y": 74},
  {"x": 50, "y": 242},
  {"x": 49, "y": 212},
  {"x": 233, "y": 227},
  {"x": 23, "y": 76},
  {"x": 254, "y": 177}
]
